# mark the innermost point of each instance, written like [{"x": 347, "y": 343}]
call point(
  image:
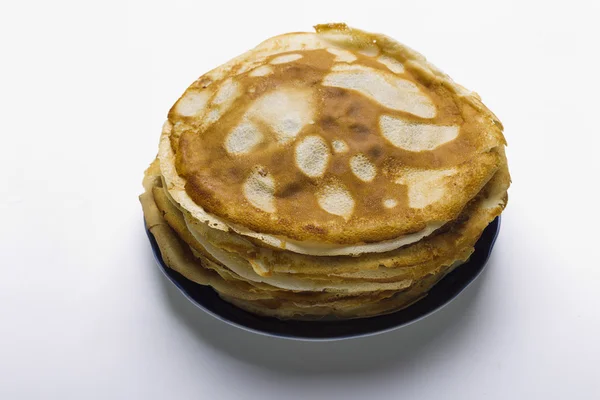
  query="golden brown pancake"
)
[
  {"x": 313, "y": 140},
  {"x": 335, "y": 174}
]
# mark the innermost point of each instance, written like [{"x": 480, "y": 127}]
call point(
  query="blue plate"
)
[{"x": 441, "y": 294}]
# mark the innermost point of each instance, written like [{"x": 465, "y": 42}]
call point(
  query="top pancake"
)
[{"x": 337, "y": 138}]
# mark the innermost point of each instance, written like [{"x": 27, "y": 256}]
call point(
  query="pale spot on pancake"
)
[
  {"x": 286, "y": 58},
  {"x": 243, "y": 138},
  {"x": 192, "y": 103},
  {"x": 425, "y": 187},
  {"x": 228, "y": 91},
  {"x": 212, "y": 116},
  {"x": 345, "y": 67},
  {"x": 362, "y": 168},
  {"x": 339, "y": 146},
  {"x": 336, "y": 200},
  {"x": 413, "y": 136},
  {"x": 285, "y": 110},
  {"x": 222, "y": 101},
  {"x": 383, "y": 87},
  {"x": 259, "y": 190},
  {"x": 263, "y": 70},
  {"x": 248, "y": 65},
  {"x": 341, "y": 55},
  {"x": 334, "y": 37},
  {"x": 393, "y": 65},
  {"x": 369, "y": 51},
  {"x": 312, "y": 156},
  {"x": 390, "y": 203}
]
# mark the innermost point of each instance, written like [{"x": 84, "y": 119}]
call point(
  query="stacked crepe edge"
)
[{"x": 377, "y": 291}]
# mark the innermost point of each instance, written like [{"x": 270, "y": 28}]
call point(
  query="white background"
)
[{"x": 84, "y": 312}]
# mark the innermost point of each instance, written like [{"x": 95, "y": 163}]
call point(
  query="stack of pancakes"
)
[{"x": 329, "y": 174}]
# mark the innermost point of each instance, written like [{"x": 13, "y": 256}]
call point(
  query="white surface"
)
[{"x": 85, "y": 314}]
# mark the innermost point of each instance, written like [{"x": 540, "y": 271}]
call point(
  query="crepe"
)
[
  {"x": 310, "y": 157},
  {"x": 335, "y": 174}
]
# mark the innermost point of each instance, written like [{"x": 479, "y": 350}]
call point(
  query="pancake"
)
[
  {"x": 335, "y": 174},
  {"x": 330, "y": 143}
]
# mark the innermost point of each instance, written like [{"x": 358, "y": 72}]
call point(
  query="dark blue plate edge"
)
[{"x": 483, "y": 250}]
